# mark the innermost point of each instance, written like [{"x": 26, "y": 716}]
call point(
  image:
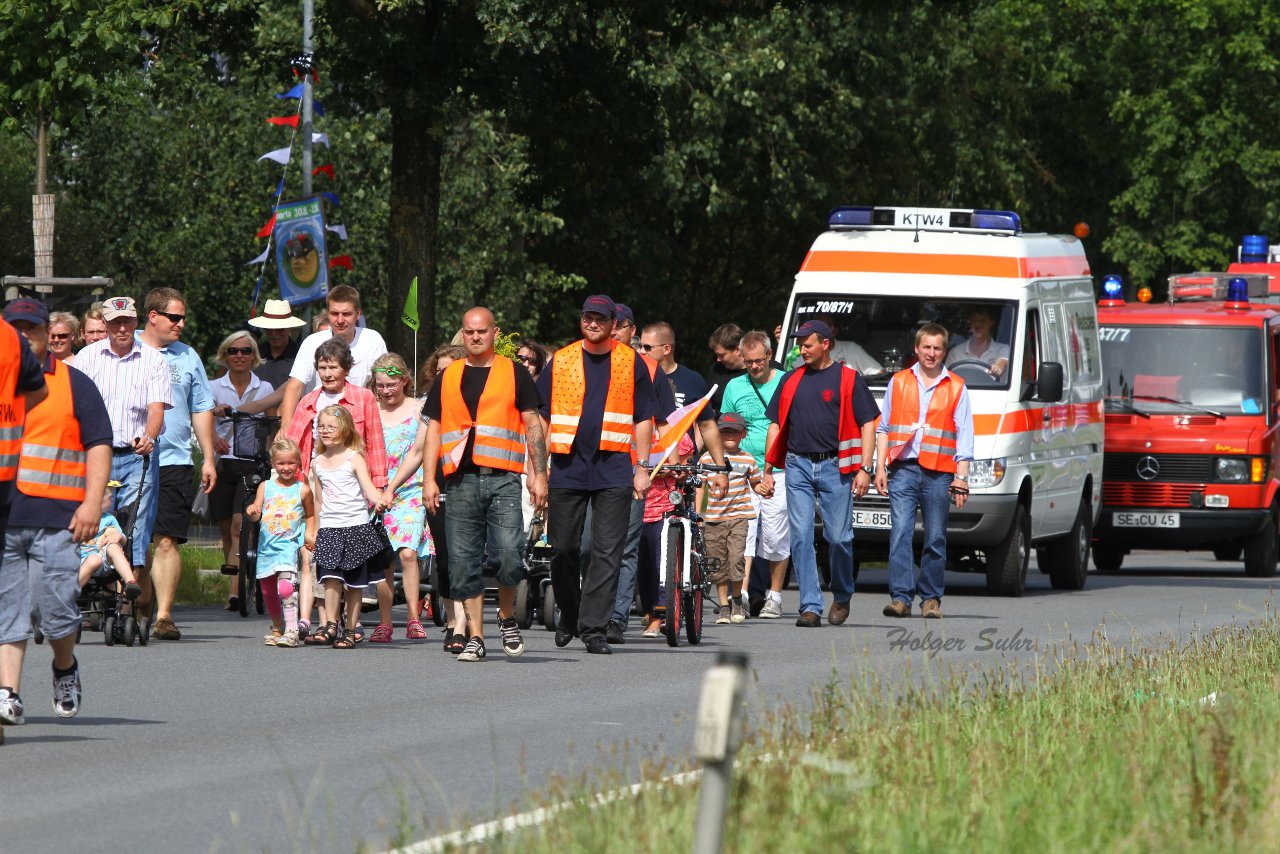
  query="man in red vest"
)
[
  {"x": 924, "y": 445},
  {"x": 61, "y": 477},
  {"x": 821, "y": 419},
  {"x": 481, "y": 414}
]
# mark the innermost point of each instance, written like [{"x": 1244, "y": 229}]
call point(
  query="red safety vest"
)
[
  {"x": 938, "y": 433},
  {"x": 569, "y": 389},
  {"x": 13, "y": 405},
  {"x": 52, "y": 463},
  {"x": 498, "y": 426},
  {"x": 849, "y": 447}
]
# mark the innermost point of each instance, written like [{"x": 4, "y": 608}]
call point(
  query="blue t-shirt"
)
[
  {"x": 814, "y": 419},
  {"x": 191, "y": 393},
  {"x": 586, "y": 466},
  {"x": 95, "y": 429}
]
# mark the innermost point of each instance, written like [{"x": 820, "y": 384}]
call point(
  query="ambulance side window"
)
[
  {"x": 1031, "y": 349},
  {"x": 1274, "y": 385}
]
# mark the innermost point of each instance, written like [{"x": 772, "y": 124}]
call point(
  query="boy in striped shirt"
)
[{"x": 727, "y": 519}]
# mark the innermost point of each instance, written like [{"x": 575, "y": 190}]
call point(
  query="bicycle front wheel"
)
[
  {"x": 693, "y": 601},
  {"x": 248, "y": 565},
  {"x": 673, "y": 574}
]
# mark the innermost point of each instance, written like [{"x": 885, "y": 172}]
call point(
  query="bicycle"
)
[
  {"x": 683, "y": 546},
  {"x": 251, "y": 437}
]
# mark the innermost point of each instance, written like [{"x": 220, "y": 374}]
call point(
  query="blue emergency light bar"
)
[
  {"x": 848, "y": 217},
  {"x": 1254, "y": 249},
  {"x": 1113, "y": 287},
  {"x": 1238, "y": 290}
]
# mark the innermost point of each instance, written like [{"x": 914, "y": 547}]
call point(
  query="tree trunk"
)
[{"x": 415, "y": 223}]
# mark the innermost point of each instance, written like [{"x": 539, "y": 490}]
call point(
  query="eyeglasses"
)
[
  {"x": 239, "y": 351},
  {"x": 750, "y": 362},
  {"x": 595, "y": 320},
  {"x": 648, "y": 347},
  {"x": 173, "y": 318},
  {"x": 528, "y": 360},
  {"x": 326, "y": 428},
  {"x": 59, "y": 336}
]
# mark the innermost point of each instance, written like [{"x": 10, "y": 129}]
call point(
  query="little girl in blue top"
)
[{"x": 288, "y": 522}]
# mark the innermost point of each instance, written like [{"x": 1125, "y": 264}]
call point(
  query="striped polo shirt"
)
[{"x": 736, "y": 502}]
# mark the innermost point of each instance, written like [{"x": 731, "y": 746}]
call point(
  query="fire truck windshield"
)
[
  {"x": 1177, "y": 369},
  {"x": 875, "y": 335}
]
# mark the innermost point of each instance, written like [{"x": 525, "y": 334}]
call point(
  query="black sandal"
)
[
  {"x": 348, "y": 640},
  {"x": 456, "y": 643},
  {"x": 324, "y": 637},
  {"x": 233, "y": 604}
]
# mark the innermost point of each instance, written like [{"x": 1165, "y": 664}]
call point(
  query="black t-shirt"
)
[
  {"x": 586, "y": 466},
  {"x": 95, "y": 429},
  {"x": 720, "y": 376},
  {"x": 690, "y": 386},
  {"x": 473, "y": 382},
  {"x": 30, "y": 378},
  {"x": 276, "y": 370},
  {"x": 814, "y": 419}
]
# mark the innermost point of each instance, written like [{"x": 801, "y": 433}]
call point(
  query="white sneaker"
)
[
  {"x": 772, "y": 609},
  {"x": 66, "y": 693},
  {"x": 11, "y": 708},
  {"x": 288, "y": 639},
  {"x": 739, "y": 613},
  {"x": 722, "y": 614}
]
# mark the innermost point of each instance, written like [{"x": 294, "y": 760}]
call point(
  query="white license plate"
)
[
  {"x": 1145, "y": 520},
  {"x": 872, "y": 519}
]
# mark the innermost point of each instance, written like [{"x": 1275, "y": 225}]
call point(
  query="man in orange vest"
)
[
  {"x": 62, "y": 475},
  {"x": 599, "y": 400},
  {"x": 924, "y": 445},
  {"x": 481, "y": 415},
  {"x": 22, "y": 386},
  {"x": 821, "y": 418}
]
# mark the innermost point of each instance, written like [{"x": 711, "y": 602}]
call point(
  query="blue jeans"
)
[
  {"x": 483, "y": 510},
  {"x": 912, "y": 486},
  {"x": 820, "y": 483},
  {"x": 127, "y": 469},
  {"x": 630, "y": 565}
]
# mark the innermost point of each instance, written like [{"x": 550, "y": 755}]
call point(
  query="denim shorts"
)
[
  {"x": 38, "y": 580},
  {"x": 484, "y": 527}
]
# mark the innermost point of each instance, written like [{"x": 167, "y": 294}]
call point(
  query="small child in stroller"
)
[{"x": 105, "y": 552}]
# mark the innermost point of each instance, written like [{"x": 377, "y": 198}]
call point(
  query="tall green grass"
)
[
  {"x": 1090, "y": 748},
  {"x": 198, "y": 588}
]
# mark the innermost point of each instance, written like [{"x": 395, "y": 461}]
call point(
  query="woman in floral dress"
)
[{"x": 405, "y": 518}]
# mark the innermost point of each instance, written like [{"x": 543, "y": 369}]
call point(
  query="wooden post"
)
[{"x": 42, "y": 228}]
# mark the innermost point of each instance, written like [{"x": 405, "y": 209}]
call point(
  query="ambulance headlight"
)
[
  {"x": 1232, "y": 469},
  {"x": 985, "y": 473}
]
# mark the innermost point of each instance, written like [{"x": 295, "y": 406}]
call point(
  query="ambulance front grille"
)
[{"x": 1147, "y": 494}]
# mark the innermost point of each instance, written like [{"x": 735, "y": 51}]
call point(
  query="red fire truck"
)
[{"x": 1192, "y": 417}]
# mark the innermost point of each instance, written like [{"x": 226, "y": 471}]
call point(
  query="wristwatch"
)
[{"x": 868, "y": 472}]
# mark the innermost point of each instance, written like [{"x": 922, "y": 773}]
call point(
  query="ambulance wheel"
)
[
  {"x": 523, "y": 613},
  {"x": 1068, "y": 563},
  {"x": 1260, "y": 551},
  {"x": 1107, "y": 558},
  {"x": 1228, "y": 553},
  {"x": 1007, "y": 560}
]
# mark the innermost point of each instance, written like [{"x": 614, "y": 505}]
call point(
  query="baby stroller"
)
[{"x": 102, "y": 602}]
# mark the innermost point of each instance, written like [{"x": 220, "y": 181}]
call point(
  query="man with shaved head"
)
[{"x": 481, "y": 416}]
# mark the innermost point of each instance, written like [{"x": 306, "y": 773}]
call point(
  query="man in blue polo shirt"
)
[
  {"x": 591, "y": 465},
  {"x": 165, "y": 310}
]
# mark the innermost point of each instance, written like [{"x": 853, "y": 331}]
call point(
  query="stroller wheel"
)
[
  {"x": 129, "y": 630},
  {"x": 109, "y": 631}
]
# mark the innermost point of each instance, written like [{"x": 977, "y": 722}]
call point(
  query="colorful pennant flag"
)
[
  {"x": 291, "y": 121},
  {"x": 317, "y": 107},
  {"x": 322, "y": 138},
  {"x": 341, "y": 261},
  {"x": 266, "y": 229},
  {"x": 280, "y": 155},
  {"x": 261, "y": 258},
  {"x": 279, "y": 188},
  {"x": 332, "y": 198},
  {"x": 410, "y": 313},
  {"x": 326, "y": 169},
  {"x": 340, "y": 230},
  {"x": 679, "y": 422},
  {"x": 295, "y": 92}
]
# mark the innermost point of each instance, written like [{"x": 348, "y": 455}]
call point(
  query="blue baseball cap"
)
[
  {"x": 811, "y": 326},
  {"x": 30, "y": 310},
  {"x": 600, "y": 304},
  {"x": 623, "y": 313}
]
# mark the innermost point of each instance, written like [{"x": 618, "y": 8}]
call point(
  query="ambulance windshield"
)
[
  {"x": 875, "y": 335},
  {"x": 1166, "y": 370}
]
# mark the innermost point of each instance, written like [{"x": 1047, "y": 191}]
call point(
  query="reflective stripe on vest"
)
[
  {"x": 52, "y": 464},
  {"x": 569, "y": 389},
  {"x": 497, "y": 431},
  {"x": 937, "y": 433},
  {"x": 13, "y": 405}
]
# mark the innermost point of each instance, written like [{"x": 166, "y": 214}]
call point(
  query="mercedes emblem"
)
[{"x": 1148, "y": 468}]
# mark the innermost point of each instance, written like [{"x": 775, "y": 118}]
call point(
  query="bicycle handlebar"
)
[
  {"x": 237, "y": 417},
  {"x": 696, "y": 468}
]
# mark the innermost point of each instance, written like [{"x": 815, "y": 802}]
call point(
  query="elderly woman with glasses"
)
[
  {"x": 64, "y": 329},
  {"x": 238, "y": 354}
]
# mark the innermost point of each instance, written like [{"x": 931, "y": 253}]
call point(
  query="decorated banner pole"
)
[
  {"x": 410, "y": 318},
  {"x": 308, "y": 15}
]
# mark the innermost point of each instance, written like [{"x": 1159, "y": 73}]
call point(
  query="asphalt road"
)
[{"x": 218, "y": 743}]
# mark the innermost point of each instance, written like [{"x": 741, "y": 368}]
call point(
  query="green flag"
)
[{"x": 410, "y": 316}]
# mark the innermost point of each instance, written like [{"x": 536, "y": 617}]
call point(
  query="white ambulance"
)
[{"x": 1024, "y": 338}]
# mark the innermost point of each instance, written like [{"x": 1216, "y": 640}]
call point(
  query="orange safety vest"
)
[
  {"x": 849, "y": 437},
  {"x": 13, "y": 405},
  {"x": 52, "y": 464},
  {"x": 938, "y": 433},
  {"x": 498, "y": 425},
  {"x": 569, "y": 389}
]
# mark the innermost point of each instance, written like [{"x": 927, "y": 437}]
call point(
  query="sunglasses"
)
[
  {"x": 648, "y": 347},
  {"x": 528, "y": 360},
  {"x": 173, "y": 318},
  {"x": 60, "y": 336},
  {"x": 239, "y": 351}
]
